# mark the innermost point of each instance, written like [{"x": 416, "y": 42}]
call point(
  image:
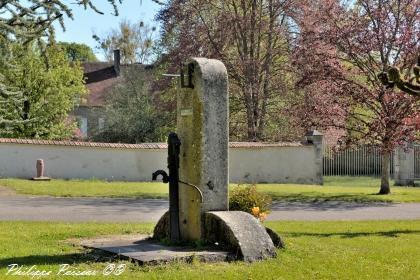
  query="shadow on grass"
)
[
  {"x": 315, "y": 197},
  {"x": 391, "y": 233},
  {"x": 331, "y": 205},
  {"x": 89, "y": 256}
]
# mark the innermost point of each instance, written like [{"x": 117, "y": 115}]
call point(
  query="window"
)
[
  {"x": 101, "y": 124},
  {"x": 82, "y": 124}
]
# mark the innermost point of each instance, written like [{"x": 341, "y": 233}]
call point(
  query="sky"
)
[{"x": 87, "y": 22}]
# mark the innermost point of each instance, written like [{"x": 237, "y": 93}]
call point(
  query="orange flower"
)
[{"x": 256, "y": 211}]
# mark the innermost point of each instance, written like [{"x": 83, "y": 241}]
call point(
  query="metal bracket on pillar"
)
[
  {"x": 190, "y": 73},
  {"x": 182, "y": 76}
]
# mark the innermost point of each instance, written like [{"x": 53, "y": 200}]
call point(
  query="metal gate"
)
[
  {"x": 361, "y": 161},
  {"x": 416, "y": 161}
]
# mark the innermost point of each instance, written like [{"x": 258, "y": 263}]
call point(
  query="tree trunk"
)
[
  {"x": 385, "y": 188},
  {"x": 248, "y": 96},
  {"x": 267, "y": 70},
  {"x": 251, "y": 131}
]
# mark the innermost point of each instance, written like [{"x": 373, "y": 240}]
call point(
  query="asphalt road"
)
[{"x": 27, "y": 208}]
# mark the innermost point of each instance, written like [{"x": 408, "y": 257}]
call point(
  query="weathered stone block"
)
[
  {"x": 404, "y": 165},
  {"x": 237, "y": 232},
  {"x": 240, "y": 232},
  {"x": 161, "y": 230},
  {"x": 202, "y": 126}
]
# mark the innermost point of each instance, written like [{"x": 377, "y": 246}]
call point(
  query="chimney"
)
[{"x": 117, "y": 61}]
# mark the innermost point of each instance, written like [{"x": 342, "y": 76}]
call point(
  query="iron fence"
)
[
  {"x": 416, "y": 161},
  {"x": 362, "y": 161}
]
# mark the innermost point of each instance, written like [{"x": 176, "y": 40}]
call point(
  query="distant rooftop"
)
[{"x": 101, "y": 77}]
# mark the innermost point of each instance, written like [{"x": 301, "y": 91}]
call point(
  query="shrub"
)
[{"x": 247, "y": 199}]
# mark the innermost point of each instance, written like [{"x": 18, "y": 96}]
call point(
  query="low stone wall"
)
[{"x": 248, "y": 162}]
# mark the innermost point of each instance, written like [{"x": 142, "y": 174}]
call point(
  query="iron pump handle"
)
[
  {"x": 165, "y": 176},
  {"x": 173, "y": 165},
  {"x": 174, "y": 145}
]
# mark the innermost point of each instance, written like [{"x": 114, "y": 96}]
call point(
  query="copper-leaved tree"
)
[
  {"x": 341, "y": 48},
  {"x": 251, "y": 38}
]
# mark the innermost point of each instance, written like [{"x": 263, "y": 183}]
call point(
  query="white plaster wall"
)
[
  {"x": 246, "y": 165},
  {"x": 273, "y": 165},
  {"x": 404, "y": 165},
  {"x": 66, "y": 162}
]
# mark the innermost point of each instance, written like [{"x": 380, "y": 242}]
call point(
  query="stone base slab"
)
[
  {"x": 150, "y": 252},
  {"x": 41, "y": 179}
]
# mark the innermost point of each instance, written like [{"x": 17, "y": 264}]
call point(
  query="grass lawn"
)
[
  {"x": 88, "y": 188},
  {"x": 360, "y": 189},
  {"x": 315, "y": 250},
  {"x": 355, "y": 189}
]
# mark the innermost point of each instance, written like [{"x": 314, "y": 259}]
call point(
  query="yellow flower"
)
[
  {"x": 256, "y": 211},
  {"x": 263, "y": 216}
]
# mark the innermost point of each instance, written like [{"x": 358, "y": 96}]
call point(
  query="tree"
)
[
  {"x": 394, "y": 77},
  {"x": 78, "y": 52},
  {"x": 45, "y": 89},
  {"x": 34, "y": 18},
  {"x": 341, "y": 48},
  {"x": 22, "y": 22},
  {"x": 134, "y": 40},
  {"x": 130, "y": 112},
  {"x": 250, "y": 37}
]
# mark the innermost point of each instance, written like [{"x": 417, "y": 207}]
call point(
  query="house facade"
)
[{"x": 101, "y": 79}]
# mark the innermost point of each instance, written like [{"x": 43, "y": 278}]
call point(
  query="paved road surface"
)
[{"x": 17, "y": 207}]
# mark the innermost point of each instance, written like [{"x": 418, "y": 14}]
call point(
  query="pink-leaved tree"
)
[{"x": 341, "y": 48}]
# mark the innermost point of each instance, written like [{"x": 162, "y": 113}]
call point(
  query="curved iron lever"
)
[
  {"x": 165, "y": 177},
  {"x": 196, "y": 188}
]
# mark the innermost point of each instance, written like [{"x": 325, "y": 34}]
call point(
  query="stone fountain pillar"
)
[{"x": 202, "y": 128}]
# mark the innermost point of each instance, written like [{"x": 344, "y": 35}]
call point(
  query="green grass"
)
[
  {"x": 354, "y": 189},
  {"x": 315, "y": 250},
  {"x": 87, "y": 188}
]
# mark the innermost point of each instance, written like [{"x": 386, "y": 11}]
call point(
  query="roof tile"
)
[{"x": 137, "y": 146}]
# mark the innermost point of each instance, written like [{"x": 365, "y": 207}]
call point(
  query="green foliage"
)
[
  {"x": 358, "y": 123},
  {"x": 44, "y": 89},
  {"x": 7, "y": 93},
  {"x": 26, "y": 21},
  {"x": 131, "y": 115},
  {"x": 78, "y": 52},
  {"x": 245, "y": 198}
]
